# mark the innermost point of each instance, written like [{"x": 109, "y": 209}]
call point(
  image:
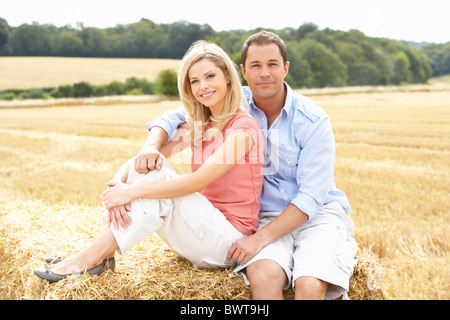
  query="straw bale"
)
[
  {"x": 366, "y": 282},
  {"x": 32, "y": 230}
]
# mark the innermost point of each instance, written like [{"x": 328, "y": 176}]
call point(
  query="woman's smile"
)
[{"x": 208, "y": 94}]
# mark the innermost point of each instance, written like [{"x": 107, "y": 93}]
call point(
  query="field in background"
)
[
  {"x": 38, "y": 72},
  {"x": 393, "y": 161}
]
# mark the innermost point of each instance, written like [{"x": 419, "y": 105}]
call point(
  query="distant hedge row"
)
[
  {"x": 318, "y": 58},
  {"x": 165, "y": 84}
]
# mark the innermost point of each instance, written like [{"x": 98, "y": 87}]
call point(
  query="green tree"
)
[
  {"x": 33, "y": 40},
  {"x": 82, "y": 89},
  {"x": 326, "y": 66},
  {"x": 409, "y": 64},
  {"x": 5, "y": 29},
  {"x": 121, "y": 41},
  {"x": 116, "y": 88},
  {"x": 419, "y": 66},
  {"x": 145, "y": 86},
  {"x": 304, "y": 30},
  {"x": 300, "y": 74},
  {"x": 352, "y": 55},
  {"x": 401, "y": 68},
  {"x": 94, "y": 42},
  {"x": 439, "y": 55},
  {"x": 166, "y": 83},
  {"x": 66, "y": 91},
  {"x": 100, "y": 90},
  {"x": 70, "y": 45},
  {"x": 183, "y": 34},
  {"x": 142, "y": 36}
]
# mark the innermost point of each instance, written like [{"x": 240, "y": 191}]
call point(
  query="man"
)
[{"x": 305, "y": 234}]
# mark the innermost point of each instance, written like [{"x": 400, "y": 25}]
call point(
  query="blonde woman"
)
[{"x": 200, "y": 214}]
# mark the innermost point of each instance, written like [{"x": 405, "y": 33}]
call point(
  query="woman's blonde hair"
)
[{"x": 199, "y": 115}]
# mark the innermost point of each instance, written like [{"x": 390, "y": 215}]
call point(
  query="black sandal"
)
[
  {"x": 48, "y": 275},
  {"x": 109, "y": 263}
]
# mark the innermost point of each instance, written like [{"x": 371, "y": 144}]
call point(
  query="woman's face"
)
[{"x": 208, "y": 85}]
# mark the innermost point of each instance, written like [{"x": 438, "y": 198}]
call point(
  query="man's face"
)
[{"x": 264, "y": 71}]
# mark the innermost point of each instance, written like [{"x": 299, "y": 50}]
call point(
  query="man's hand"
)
[
  {"x": 244, "y": 249},
  {"x": 118, "y": 215},
  {"x": 150, "y": 158},
  {"x": 147, "y": 161}
]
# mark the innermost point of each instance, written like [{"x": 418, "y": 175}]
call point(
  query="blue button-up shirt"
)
[{"x": 299, "y": 154}]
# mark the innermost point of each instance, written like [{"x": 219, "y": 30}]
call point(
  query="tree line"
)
[
  {"x": 319, "y": 58},
  {"x": 165, "y": 85},
  {"x": 439, "y": 55}
]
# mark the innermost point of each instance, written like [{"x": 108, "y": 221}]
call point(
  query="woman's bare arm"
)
[{"x": 235, "y": 147}]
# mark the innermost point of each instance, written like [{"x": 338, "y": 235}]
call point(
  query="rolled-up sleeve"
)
[
  {"x": 169, "y": 121},
  {"x": 315, "y": 168}
]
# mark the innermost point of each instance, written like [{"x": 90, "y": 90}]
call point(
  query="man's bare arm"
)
[
  {"x": 246, "y": 248},
  {"x": 149, "y": 157}
]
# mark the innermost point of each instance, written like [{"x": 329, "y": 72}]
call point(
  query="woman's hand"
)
[
  {"x": 118, "y": 215},
  {"x": 117, "y": 194}
]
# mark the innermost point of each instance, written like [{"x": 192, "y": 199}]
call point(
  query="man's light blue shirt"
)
[{"x": 299, "y": 154}]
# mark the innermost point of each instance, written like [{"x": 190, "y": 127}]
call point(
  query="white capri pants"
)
[{"x": 190, "y": 225}]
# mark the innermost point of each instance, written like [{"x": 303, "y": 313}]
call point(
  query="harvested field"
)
[
  {"x": 392, "y": 161},
  {"x": 38, "y": 72}
]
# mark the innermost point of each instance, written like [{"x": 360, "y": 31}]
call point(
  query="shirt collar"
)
[
  {"x": 289, "y": 95},
  {"x": 287, "y": 105}
]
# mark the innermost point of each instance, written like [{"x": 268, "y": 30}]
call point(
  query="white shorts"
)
[
  {"x": 190, "y": 225},
  {"x": 323, "y": 247}
]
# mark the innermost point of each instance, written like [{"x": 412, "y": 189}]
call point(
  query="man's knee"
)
[
  {"x": 310, "y": 288},
  {"x": 267, "y": 279}
]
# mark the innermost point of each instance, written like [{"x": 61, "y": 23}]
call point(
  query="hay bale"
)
[
  {"x": 366, "y": 282},
  {"x": 32, "y": 230}
]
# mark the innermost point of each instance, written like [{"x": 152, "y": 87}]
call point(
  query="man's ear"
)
[
  {"x": 243, "y": 71},
  {"x": 286, "y": 68}
]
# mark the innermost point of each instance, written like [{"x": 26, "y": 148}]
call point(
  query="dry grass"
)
[
  {"x": 148, "y": 271},
  {"x": 392, "y": 161},
  {"x": 38, "y": 72}
]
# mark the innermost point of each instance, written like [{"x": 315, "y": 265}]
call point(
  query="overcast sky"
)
[{"x": 413, "y": 20}]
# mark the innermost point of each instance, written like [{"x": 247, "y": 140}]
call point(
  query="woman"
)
[{"x": 200, "y": 214}]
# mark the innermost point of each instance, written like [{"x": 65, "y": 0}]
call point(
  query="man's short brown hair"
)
[{"x": 264, "y": 38}]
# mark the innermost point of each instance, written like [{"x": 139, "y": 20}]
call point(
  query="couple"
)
[{"x": 261, "y": 195}]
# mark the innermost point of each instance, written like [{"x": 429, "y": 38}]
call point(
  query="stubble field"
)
[
  {"x": 31, "y": 72},
  {"x": 392, "y": 160}
]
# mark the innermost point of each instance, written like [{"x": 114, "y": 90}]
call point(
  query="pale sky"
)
[{"x": 394, "y": 19}]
